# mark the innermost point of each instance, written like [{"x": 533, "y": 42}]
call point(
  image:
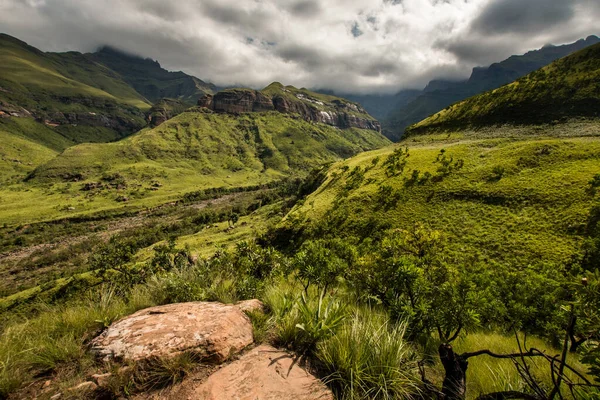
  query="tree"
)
[{"x": 318, "y": 264}]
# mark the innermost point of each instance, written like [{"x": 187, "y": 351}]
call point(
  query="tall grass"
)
[
  {"x": 487, "y": 375},
  {"x": 59, "y": 335},
  {"x": 369, "y": 359}
]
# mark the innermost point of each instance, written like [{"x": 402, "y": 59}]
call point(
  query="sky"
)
[{"x": 349, "y": 46}]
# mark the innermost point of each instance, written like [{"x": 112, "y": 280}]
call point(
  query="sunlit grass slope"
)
[
  {"x": 50, "y": 85},
  {"x": 192, "y": 151},
  {"x": 215, "y": 145},
  {"x": 500, "y": 200}
]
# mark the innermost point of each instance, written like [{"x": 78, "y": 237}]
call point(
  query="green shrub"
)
[
  {"x": 317, "y": 321},
  {"x": 369, "y": 359}
]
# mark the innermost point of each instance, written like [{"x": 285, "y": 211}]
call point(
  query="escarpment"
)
[{"x": 312, "y": 107}]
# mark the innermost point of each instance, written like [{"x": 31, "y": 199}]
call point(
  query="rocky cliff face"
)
[
  {"x": 164, "y": 110},
  {"x": 108, "y": 115},
  {"x": 336, "y": 112}
]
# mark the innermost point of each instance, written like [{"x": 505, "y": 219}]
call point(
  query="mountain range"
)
[{"x": 397, "y": 112}]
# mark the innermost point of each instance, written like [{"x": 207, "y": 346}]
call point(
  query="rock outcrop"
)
[
  {"x": 237, "y": 101},
  {"x": 264, "y": 373},
  {"x": 215, "y": 331},
  {"x": 112, "y": 117},
  {"x": 164, "y": 110},
  {"x": 342, "y": 114}
]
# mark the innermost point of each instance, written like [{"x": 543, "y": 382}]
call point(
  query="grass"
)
[
  {"x": 19, "y": 156},
  {"x": 313, "y": 100},
  {"x": 149, "y": 79},
  {"x": 52, "y": 252},
  {"x": 357, "y": 350},
  {"x": 533, "y": 212},
  {"x": 57, "y": 337},
  {"x": 487, "y": 375},
  {"x": 369, "y": 359},
  {"x": 190, "y": 152}
]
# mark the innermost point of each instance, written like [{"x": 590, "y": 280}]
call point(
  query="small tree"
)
[{"x": 317, "y": 264}]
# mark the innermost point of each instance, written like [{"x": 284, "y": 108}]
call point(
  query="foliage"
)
[
  {"x": 368, "y": 358},
  {"x": 318, "y": 264},
  {"x": 408, "y": 275},
  {"x": 395, "y": 162}
]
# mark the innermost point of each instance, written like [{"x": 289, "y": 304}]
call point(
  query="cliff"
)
[{"x": 310, "y": 106}]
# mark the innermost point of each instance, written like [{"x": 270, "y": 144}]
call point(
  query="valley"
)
[{"x": 124, "y": 187}]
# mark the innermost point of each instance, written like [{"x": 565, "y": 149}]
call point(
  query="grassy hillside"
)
[
  {"x": 150, "y": 79},
  {"x": 568, "y": 88},
  {"x": 215, "y": 145},
  {"x": 504, "y": 200},
  {"x": 76, "y": 97},
  {"x": 192, "y": 151},
  {"x": 25, "y": 145},
  {"x": 436, "y": 98}
]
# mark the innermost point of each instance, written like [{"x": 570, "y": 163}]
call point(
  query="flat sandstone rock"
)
[
  {"x": 213, "y": 330},
  {"x": 264, "y": 373}
]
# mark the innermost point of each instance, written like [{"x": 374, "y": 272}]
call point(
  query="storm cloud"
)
[{"x": 360, "y": 46}]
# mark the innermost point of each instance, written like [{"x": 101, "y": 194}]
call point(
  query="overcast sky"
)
[{"x": 361, "y": 46}]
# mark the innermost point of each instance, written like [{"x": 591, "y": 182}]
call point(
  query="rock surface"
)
[
  {"x": 264, "y": 373},
  {"x": 341, "y": 114},
  {"x": 215, "y": 331},
  {"x": 251, "y": 305}
]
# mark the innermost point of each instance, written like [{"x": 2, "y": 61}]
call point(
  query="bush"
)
[
  {"x": 369, "y": 359},
  {"x": 301, "y": 323}
]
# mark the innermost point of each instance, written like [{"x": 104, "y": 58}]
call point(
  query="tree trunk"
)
[{"x": 455, "y": 381}]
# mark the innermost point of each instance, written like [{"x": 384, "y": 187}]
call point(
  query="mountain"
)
[
  {"x": 149, "y": 79},
  {"x": 379, "y": 106},
  {"x": 311, "y": 106},
  {"x": 566, "y": 89},
  {"x": 239, "y": 139},
  {"x": 503, "y": 195},
  {"x": 438, "y": 95},
  {"x": 70, "y": 94}
]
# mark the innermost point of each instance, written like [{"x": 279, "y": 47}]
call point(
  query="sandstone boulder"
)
[
  {"x": 264, "y": 373},
  {"x": 251, "y": 305},
  {"x": 214, "y": 331}
]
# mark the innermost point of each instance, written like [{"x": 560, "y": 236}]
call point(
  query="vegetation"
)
[
  {"x": 439, "y": 95},
  {"x": 565, "y": 89},
  {"x": 314, "y": 100},
  {"x": 73, "y": 95},
  {"x": 149, "y": 79},
  {"x": 455, "y": 265}
]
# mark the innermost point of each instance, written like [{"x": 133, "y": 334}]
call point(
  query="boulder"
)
[
  {"x": 251, "y": 305},
  {"x": 264, "y": 373},
  {"x": 214, "y": 331}
]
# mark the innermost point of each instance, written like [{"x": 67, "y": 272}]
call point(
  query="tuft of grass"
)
[{"x": 369, "y": 359}]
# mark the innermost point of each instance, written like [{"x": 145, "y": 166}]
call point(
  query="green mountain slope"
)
[
  {"x": 255, "y": 146},
  {"x": 520, "y": 202},
  {"x": 25, "y": 144},
  {"x": 19, "y": 155},
  {"x": 78, "y": 98},
  {"x": 439, "y": 95},
  {"x": 150, "y": 79},
  {"x": 567, "y": 88}
]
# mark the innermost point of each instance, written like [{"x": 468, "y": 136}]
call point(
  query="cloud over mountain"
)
[{"x": 345, "y": 45}]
